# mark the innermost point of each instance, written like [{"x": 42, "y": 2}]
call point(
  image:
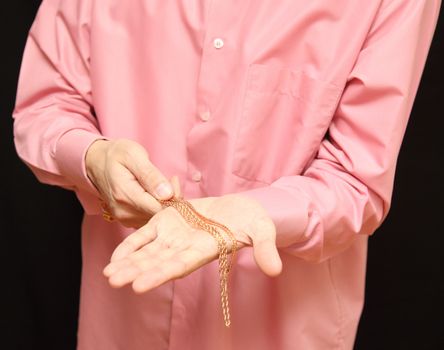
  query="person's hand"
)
[
  {"x": 167, "y": 247},
  {"x": 127, "y": 181}
]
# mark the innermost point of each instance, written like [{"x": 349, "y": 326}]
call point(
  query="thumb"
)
[
  {"x": 149, "y": 177},
  {"x": 267, "y": 256},
  {"x": 176, "y": 186}
]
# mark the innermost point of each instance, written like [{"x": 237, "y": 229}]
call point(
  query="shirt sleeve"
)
[
  {"x": 54, "y": 120},
  {"x": 345, "y": 192}
]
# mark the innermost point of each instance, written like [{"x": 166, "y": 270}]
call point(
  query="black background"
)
[{"x": 40, "y": 229}]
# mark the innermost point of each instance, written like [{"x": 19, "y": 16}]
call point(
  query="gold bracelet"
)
[{"x": 195, "y": 219}]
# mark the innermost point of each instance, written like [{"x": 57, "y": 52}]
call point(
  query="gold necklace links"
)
[{"x": 197, "y": 220}]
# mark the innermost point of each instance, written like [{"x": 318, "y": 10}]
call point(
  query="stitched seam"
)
[
  {"x": 171, "y": 314},
  {"x": 340, "y": 332}
]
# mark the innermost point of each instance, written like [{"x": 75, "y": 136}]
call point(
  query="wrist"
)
[
  {"x": 94, "y": 157},
  {"x": 202, "y": 205},
  {"x": 246, "y": 216}
]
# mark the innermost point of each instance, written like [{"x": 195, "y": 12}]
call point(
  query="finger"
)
[
  {"x": 140, "y": 199},
  {"x": 145, "y": 253},
  {"x": 176, "y": 186},
  {"x": 126, "y": 190},
  {"x": 267, "y": 256},
  {"x": 135, "y": 269},
  {"x": 124, "y": 276},
  {"x": 113, "y": 267},
  {"x": 160, "y": 274},
  {"x": 151, "y": 178},
  {"x": 150, "y": 252},
  {"x": 128, "y": 269},
  {"x": 134, "y": 241}
]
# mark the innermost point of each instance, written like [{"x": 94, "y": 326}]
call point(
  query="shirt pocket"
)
[{"x": 284, "y": 116}]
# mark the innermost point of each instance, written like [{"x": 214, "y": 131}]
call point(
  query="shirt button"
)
[
  {"x": 197, "y": 176},
  {"x": 205, "y": 116},
  {"x": 218, "y": 43}
]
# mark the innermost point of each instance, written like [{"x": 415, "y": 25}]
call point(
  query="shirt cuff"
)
[
  {"x": 290, "y": 214},
  {"x": 70, "y": 156}
]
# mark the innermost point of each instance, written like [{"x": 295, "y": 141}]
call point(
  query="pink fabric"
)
[{"x": 303, "y": 107}]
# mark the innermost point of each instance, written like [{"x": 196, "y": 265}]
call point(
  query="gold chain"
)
[{"x": 195, "y": 219}]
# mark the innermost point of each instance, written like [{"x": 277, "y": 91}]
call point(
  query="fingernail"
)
[{"x": 164, "y": 190}]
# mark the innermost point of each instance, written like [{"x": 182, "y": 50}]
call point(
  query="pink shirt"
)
[{"x": 301, "y": 105}]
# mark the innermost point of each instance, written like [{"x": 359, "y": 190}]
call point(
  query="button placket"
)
[{"x": 216, "y": 52}]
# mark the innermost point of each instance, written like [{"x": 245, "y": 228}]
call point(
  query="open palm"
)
[
  {"x": 164, "y": 249},
  {"x": 167, "y": 247}
]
